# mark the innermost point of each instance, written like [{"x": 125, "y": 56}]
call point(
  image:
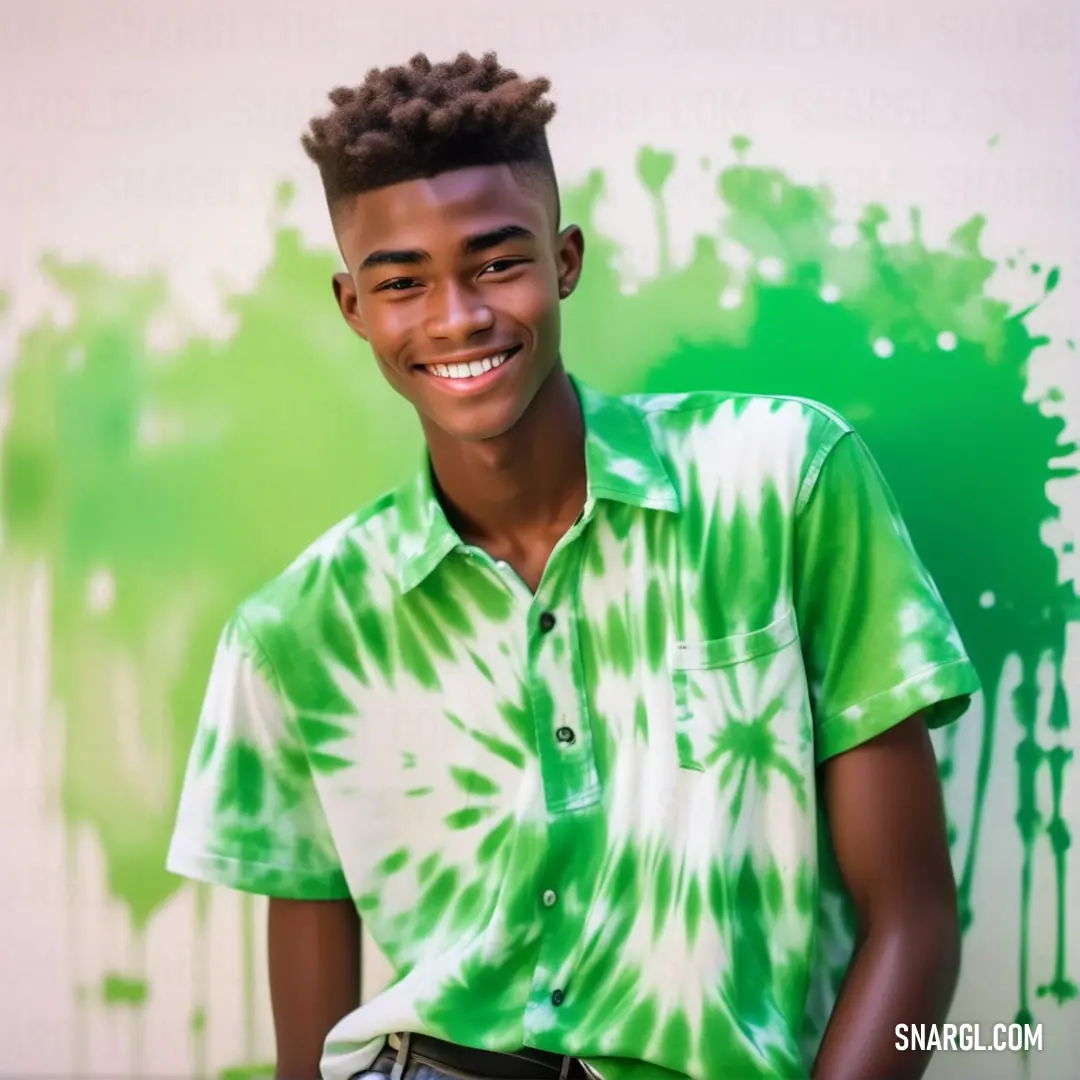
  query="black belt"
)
[{"x": 525, "y": 1064}]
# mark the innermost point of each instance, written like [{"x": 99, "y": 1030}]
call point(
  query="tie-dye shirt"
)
[{"x": 585, "y": 820}]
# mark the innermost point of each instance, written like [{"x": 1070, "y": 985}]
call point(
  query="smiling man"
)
[{"x": 611, "y": 724}]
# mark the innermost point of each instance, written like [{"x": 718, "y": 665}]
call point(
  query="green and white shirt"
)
[{"x": 585, "y": 821}]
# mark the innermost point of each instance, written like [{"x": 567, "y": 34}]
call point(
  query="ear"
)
[
  {"x": 348, "y": 302},
  {"x": 569, "y": 257}
]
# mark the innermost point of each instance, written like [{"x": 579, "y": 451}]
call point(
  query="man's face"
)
[{"x": 455, "y": 282}]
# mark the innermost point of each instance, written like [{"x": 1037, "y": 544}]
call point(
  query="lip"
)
[{"x": 475, "y": 383}]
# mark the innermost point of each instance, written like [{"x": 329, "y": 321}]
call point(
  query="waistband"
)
[{"x": 524, "y": 1064}]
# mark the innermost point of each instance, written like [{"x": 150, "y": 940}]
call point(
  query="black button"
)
[
  {"x": 557, "y": 998},
  {"x": 547, "y": 621},
  {"x": 565, "y": 734}
]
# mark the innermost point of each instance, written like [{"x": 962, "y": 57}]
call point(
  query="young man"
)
[{"x": 581, "y": 721}]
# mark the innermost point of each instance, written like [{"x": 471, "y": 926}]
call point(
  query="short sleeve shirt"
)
[{"x": 585, "y": 820}]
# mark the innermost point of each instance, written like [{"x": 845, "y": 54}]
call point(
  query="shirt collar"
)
[{"x": 622, "y": 465}]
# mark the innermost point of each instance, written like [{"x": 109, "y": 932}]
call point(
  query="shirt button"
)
[
  {"x": 547, "y": 621},
  {"x": 549, "y": 898},
  {"x": 565, "y": 735},
  {"x": 557, "y": 998}
]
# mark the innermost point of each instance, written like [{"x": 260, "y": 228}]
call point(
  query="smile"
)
[{"x": 474, "y": 368}]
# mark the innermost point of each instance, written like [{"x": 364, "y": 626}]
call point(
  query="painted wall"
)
[{"x": 874, "y": 205}]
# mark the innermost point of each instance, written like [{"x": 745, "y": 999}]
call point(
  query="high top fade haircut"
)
[{"x": 417, "y": 120}]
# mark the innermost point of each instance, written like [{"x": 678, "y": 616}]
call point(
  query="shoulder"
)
[
  {"x": 737, "y": 437},
  {"x": 751, "y": 415},
  {"x": 349, "y": 563}
]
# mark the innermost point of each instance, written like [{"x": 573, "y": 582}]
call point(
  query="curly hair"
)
[{"x": 417, "y": 120}]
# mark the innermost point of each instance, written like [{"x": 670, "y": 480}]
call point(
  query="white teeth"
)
[{"x": 469, "y": 370}]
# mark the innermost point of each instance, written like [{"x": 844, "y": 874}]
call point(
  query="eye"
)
[
  {"x": 397, "y": 285},
  {"x": 500, "y": 266}
]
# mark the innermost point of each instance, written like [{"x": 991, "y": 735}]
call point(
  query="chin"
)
[
  {"x": 480, "y": 431},
  {"x": 481, "y": 422}
]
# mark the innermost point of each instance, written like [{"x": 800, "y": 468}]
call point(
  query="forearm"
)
[
  {"x": 903, "y": 973},
  {"x": 314, "y": 953}
]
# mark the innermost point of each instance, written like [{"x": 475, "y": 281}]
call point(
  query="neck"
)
[{"x": 527, "y": 482}]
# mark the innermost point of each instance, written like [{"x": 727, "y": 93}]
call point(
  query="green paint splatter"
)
[
  {"x": 137, "y": 475},
  {"x": 126, "y": 990},
  {"x": 201, "y": 983},
  {"x": 247, "y": 944},
  {"x": 80, "y": 1034},
  {"x": 258, "y": 1071},
  {"x": 654, "y": 171}
]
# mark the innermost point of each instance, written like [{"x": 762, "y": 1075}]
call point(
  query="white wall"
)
[{"x": 151, "y": 135}]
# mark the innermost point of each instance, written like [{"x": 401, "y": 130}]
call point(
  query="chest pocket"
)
[{"x": 743, "y": 679}]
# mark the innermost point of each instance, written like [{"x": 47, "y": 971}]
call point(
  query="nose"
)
[{"x": 457, "y": 313}]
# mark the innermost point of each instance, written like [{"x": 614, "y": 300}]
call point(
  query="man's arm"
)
[
  {"x": 886, "y": 817},
  {"x": 314, "y": 957},
  {"x": 250, "y": 818}
]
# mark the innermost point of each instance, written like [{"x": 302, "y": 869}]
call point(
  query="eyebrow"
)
[{"x": 472, "y": 245}]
